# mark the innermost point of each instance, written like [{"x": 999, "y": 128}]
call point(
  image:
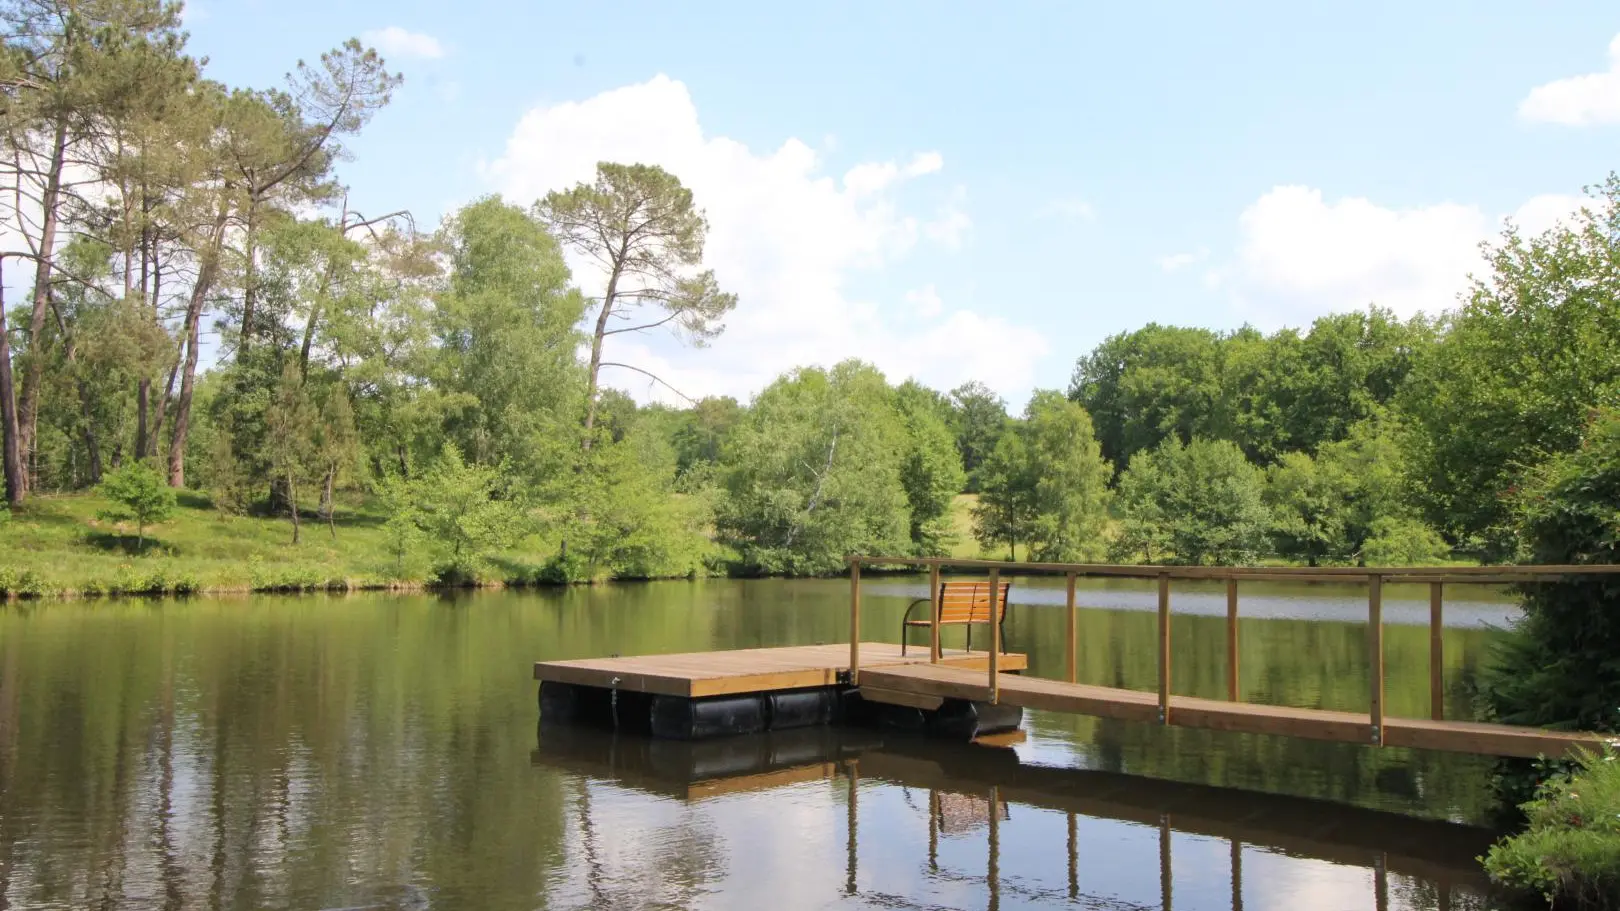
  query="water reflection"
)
[
  {"x": 376, "y": 751},
  {"x": 932, "y": 824}
]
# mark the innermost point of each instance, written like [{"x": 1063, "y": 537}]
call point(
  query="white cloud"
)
[
  {"x": 785, "y": 237},
  {"x": 925, "y": 301},
  {"x": 1578, "y": 100},
  {"x": 1175, "y": 262},
  {"x": 398, "y": 42},
  {"x": 1072, "y": 208},
  {"x": 1300, "y": 255}
]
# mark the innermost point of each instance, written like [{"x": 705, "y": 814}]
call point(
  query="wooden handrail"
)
[
  {"x": 1375, "y": 576},
  {"x": 1484, "y": 575}
]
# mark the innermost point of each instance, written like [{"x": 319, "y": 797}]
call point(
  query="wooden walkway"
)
[
  {"x": 926, "y": 686},
  {"x": 753, "y": 670}
]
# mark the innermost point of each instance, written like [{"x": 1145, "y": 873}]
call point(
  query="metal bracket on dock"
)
[
  {"x": 842, "y": 677},
  {"x": 1377, "y": 735}
]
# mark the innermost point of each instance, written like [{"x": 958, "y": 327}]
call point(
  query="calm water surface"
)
[{"x": 384, "y": 752}]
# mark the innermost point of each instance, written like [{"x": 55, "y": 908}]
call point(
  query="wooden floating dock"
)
[
  {"x": 966, "y": 695},
  {"x": 753, "y": 670}
]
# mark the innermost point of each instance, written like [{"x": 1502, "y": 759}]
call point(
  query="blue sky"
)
[{"x": 955, "y": 192}]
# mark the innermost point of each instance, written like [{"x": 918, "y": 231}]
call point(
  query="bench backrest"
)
[{"x": 969, "y": 602}]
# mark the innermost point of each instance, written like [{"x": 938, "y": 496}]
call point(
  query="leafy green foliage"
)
[
  {"x": 622, "y": 517},
  {"x": 1046, "y": 485},
  {"x": 931, "y": 473},
  {"x": 978, "y": 417},
  {"x": 458, "y": 508},
  {"x": 1005, "y": 512},
  {"x": 1535, "y": 346},
  {"x": 1569, "y": 852},
  {"x": 1398, "y": 541},
  {"x": 814, "y": 473},
  {"x": 1196, "y": 504},
  {"x": 1560, "y": 665},
  {"x": 139, "y": 494},
  {"x": 1269, "y": 394}
]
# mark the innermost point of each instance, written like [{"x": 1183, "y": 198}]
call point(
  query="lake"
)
[{"x": 382, "y": 751}]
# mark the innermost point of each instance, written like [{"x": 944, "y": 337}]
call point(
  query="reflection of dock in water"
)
[{"x": 965, "y": 781}]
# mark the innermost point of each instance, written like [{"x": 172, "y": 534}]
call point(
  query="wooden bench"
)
[{"x": 960, "y": 603}]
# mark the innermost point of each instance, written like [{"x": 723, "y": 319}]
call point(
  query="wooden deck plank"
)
[
  {"x": 1489, "y": 739},
  {"x": 1219, "y": 715},
  {"x": 755, "y": 670}
]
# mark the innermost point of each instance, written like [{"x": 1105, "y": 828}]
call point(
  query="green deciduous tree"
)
[
  {"x": 978, "y": 417},
  {"x": 506, "y": 378},
  {"x": 1005, "y": 513},
  {"x": 931, "y": 473},
  {"x": 1533, "y": 348},
  {"x": 813, "y": 473},
  {"x": 1046, "y": 485},
  {"x": 138, "y": 494},
  {"x": 1201, "y": 501},
  {"x": 1308, "y": 501},
  {"x": 1071, "y": 495},
  {"x": 462, "y": 510}
]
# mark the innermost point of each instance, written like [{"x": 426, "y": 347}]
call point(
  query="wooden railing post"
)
[
  {"x": 1164, "y": 648},
  {"x": 995, "y": 637},
  {"x": 1233, "y": 672},
  {"x": 855, "y": 621},
  {"x": 1437, "y": 653},
  {"x": 1375, "y": 652},
  {"x": 933, "y": 612},
  {"x": 1068, "y": 627}
]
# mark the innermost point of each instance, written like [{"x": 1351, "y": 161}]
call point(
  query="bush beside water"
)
[{"x": 1569, "y": 854}]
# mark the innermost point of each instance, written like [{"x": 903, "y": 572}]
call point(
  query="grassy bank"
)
[
  {"x": 57, "y": 545},
  {"x": 1569, "y": 852}
]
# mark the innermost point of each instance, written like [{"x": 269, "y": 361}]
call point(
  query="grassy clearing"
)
[
  {"x": 965, "y": 547},
  {"x": 57, "y": 545},
  {"x": 1569, "y": 853}
]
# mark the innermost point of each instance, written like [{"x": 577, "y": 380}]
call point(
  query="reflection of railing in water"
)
[
  {"x": 1382, "y": 842},
  {"x": 1166, "y": 826},
  {"x": 1488, "y": 739}
]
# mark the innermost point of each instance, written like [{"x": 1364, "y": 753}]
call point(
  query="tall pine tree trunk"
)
[
  {"x": 28, "y": 409},
  {"x": 143, "y": 404},
  {"x": 292, "y": 505},
  {"x": 326, "y": 502},
  {"x": 10, "y": 444},
  {"x": 199, "y": 297}
]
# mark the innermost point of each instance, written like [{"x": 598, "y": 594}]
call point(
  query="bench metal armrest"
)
[{"x": 905, "y": 622}]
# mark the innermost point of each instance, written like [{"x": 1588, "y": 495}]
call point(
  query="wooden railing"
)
[{"x": 1436, "y": 577}]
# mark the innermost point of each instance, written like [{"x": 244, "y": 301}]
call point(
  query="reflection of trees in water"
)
[
  {"x": 313, "y": 754},
  {"x": 1311, "y": 664},
  {"x": 666, "y": 866}
]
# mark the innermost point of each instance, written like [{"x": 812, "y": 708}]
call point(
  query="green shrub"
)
[
  {"x": 138, "y": 494},
  {"x": 1570, "y": 852},
  {"x": 1556, "y": 667},
  {"x": 23, "y": 583},
  {"x": 1398, "y": 541}
]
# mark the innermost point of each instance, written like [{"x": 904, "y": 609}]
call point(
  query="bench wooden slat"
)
[{"x": 967, "y": 602}]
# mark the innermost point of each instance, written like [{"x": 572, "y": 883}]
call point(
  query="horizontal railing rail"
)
[{"x": 1436, "y": 577}]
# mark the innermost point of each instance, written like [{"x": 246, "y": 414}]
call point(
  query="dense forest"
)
[{"x": 197, "y": 306}]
